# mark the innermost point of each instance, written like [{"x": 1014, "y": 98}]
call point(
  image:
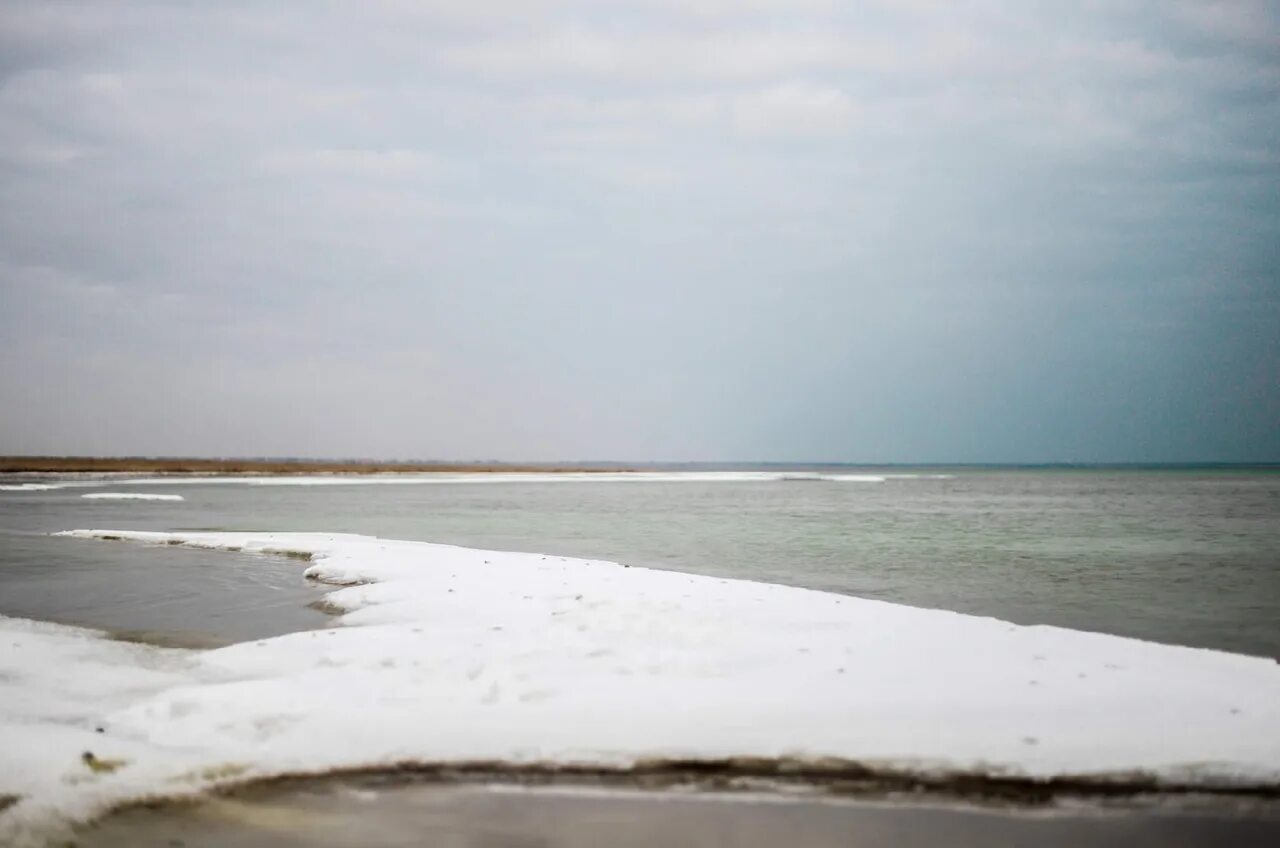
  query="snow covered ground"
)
[{"x": 454, "y": 654}]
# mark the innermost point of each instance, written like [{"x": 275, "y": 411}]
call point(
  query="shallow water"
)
[
  {"x": 341, "y": 815},
  {"x": 1181, "y": 556}
]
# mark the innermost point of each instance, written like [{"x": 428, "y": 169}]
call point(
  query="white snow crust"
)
[{"x": 444, "y": 653}]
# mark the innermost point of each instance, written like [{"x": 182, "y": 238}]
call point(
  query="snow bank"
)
[
  {"x": 28, "y": 487},
  {"x": 131, "y": 496},
  {"x": 455, "y": 654}
]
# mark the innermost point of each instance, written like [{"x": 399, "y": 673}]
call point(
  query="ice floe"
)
[{"x": 449, "y": 654}]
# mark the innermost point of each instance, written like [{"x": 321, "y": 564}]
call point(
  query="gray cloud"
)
[{"x": 896, "y": 231}]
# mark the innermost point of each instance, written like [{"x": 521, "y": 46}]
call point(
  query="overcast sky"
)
[{"x": 660, "y": 229}]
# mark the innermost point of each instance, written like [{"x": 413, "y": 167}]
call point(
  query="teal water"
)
[{"x": 1182, "y": 556}]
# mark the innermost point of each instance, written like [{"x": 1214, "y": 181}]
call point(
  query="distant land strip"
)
[{"x": 191, "y": 465}]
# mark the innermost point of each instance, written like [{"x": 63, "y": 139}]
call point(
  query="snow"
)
[
  {"x": 836, "y": 478},
  {"x": 445, "y": 653},
  {"x": 131, "y": 496},
  {"x": 481, "y": 477},
  {"x": 428, "y": 478}
]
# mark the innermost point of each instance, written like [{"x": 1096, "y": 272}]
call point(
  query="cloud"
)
[
  {"x": 380, "y": 164},
  {"x": 645, "y": 229},
  {"x": 722, "y": 55},
  {"x": 794, "y": 108}
]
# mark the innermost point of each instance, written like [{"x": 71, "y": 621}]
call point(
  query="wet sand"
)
[
  {"x": 174, "y": 598},
  {"x": 355, "y": 814}
]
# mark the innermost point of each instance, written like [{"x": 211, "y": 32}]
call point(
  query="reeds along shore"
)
[{"x": 181, "y": 465}]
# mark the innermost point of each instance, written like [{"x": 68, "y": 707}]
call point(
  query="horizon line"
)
[{"x": 18, "y": 459}]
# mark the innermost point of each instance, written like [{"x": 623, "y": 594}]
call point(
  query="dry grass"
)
[{"x": 191, "y": 465}]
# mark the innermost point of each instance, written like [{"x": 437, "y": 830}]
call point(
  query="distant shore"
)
[
  {"x": 192, "y": 465},
  {"x": 288, "y": 465}
]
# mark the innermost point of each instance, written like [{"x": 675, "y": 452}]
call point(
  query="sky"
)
[{"x": 885, "y": 231}]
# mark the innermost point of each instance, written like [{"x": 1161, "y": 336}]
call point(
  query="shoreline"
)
[
  {"x": 193, "y": 465},
  {"x": 779, "y": 687},
  {"x": 818, "y": 779},
  {"x": 354, "y": 812},
  {"x": 179, "y": 465}
]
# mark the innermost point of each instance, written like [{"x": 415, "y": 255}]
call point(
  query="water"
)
[
  {"x": 344, "y": 815},
  {"x": 1180, "y": 556}
]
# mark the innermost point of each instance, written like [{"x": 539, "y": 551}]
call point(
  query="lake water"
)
[
  {"x": 351, "y": 815},
  {"x": 1181, "y": 556}
]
